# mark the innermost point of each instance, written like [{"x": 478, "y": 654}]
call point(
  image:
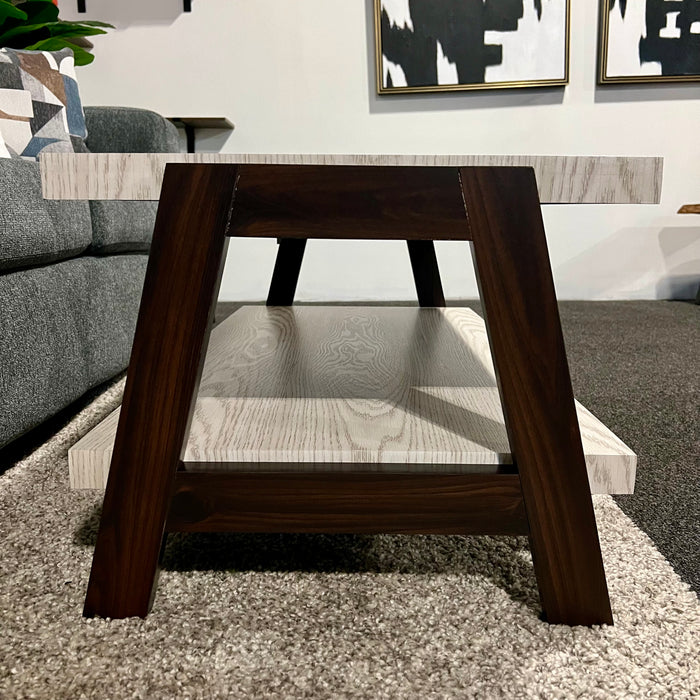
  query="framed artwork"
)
[
  {"x": 443, "y": 45},
  {"x": 646, "y": 41}
]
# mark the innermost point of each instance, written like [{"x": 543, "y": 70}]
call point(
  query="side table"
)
[
  {"x": 692, "y": 209},
  {"x": 191, "y": 124},
  {"x": 492, "y": 203}
]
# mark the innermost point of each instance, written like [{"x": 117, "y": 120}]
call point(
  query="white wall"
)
[{"x": 298, "y": 77}]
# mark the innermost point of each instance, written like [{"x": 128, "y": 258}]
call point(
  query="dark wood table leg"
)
[
  {"x": 290, "y": 255},
  {"x": 522, "y": 318},
  {"x": 426, "y": 273},
  {"x": 285, "y": 276},
  {"x": 172, "y": 332}
]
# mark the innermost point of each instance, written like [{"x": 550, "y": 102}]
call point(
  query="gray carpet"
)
[
  {"x": 373, "y": 617},
  {"x": 636, "y": 365},
  {"x": 323, "y": 617}
]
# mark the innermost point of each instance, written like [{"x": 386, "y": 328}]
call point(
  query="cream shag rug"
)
[{"x": 287, "y": 616}]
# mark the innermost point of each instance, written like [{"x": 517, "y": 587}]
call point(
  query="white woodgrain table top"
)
[
  {"x": 349, "y": 388},
  {"x": 560, "y": 179}
]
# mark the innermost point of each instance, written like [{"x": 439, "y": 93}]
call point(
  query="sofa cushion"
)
[
  {"x": 129, "y": 130},
  {"x": 34, "y": 230},
  {"x": 119, "y": 227},
  {"x": 66, "y": 328},
  {"x": 39, "y": 102},
  {"x": 126, "y": 226}
]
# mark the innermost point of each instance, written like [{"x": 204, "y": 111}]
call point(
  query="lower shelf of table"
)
[{"x": 353, "y": 390}]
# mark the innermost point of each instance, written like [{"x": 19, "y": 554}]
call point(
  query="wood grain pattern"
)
[
  {"x": 174, "y": 321},
  {"x": 376, "y": 503},
  {"x": 517, "y": 293},
  {"x": 561, "y": 179},
  {"x": 353, "y": 388},
  {"x": 348, "y": 201},
  {"x": 689, "y": 209},
  {"x": 504, "y": 220}
]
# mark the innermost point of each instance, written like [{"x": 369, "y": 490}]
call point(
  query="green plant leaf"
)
[
  {"x": 7, "y": 9},
  {"x": 34, "y": 25},
  {"x": 39, "y": 11},
  {"x": 72, "y": 29},
  {"x": 21, "y": 41},
  {"x": 95, "y": 23},
  {"x": 82, "y": 57},
  {"x": 21, "y": 30},
  {"x": 51, "y": 29}
]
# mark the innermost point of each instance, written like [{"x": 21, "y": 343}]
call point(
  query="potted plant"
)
[{"x": 35, "y": 25}]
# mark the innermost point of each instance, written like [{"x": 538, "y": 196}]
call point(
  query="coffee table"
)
[{"x": 538, "y": 485}]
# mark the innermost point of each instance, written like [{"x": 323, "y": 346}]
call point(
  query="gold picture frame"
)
[
  {"x": 461, "y": 44},
  {"x": 622, "y": 62}
]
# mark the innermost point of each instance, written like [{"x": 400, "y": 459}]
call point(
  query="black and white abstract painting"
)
[
  {"x": 436, "y": 45},
  {"x": 649, "y": 41}
]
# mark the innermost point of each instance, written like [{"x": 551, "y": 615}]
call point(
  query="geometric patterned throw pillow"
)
[
  {"x": 4, "y": 153},
  {"x": 40, "y": 108}
]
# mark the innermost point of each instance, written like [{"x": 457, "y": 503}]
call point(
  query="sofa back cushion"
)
[
  {"x": 129, "y": 130},
  {"x": 126, "y": 226},
  {"x": 34, "y": 230},
  {"x": 119, "y": 227}
]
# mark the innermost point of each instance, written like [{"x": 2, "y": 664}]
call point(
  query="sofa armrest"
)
[{"x": 129, "y": 130}]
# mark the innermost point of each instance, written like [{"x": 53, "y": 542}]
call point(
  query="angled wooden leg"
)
[
  {"x": 172, "y": 331},
  {"x": 522, "y": 318},
  {"x": 426, "y": 273},
  {"x": 285, "y": 276}
]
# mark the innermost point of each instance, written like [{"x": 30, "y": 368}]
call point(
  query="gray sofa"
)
[{"x": 70, "y": 277}]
